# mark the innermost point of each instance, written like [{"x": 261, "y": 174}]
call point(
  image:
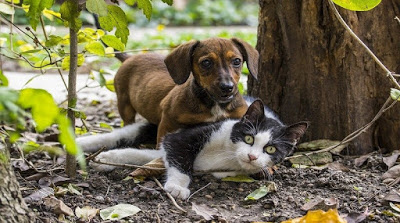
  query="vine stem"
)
[{"x": 341, "y": 20}]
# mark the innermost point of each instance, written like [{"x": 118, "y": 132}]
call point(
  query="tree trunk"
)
[
  {"x": 312, "y": 69},
  {"x": 12, "y": 205}
]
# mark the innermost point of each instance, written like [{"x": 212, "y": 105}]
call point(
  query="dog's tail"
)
[{"x": 119, "y": 55}]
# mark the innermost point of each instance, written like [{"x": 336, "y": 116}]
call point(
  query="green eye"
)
[
  {"x": 249, "y": 139},
  {"x": 270, "y": 149}
]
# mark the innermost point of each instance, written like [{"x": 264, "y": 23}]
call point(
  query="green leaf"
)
[
  {"x": 43, "y": 107},
  {"x": 169, "y": 2},
  {"x": 105, "y": 125},
  {"x": 95, "y": 48},
  {"x": 53, "y": 40},
  {"x": 3, "y": 79},
  {"x": 239, "y": 179},
  {"x": 66, "y": 61},
  {"x": 261, "y": 192},
  {"x": 35, "y": 10},
  {"x": 113, "y": 42},
  {"x": 97, "y": 6},
  {"x": 6, "y": 9},
  {"x": 118, "y": 211},
  {"x": 357, "y": 5},
  {"x": 115, "y": 18},
  {"x": 99, "y": 77},
  {"x": 146, "y": 7},
  {"x": 395, "y": 94},
  {"x": 70, "y": 13},
  {"x": 130, "y": 2},
  {"x": 67, "y": 138}
]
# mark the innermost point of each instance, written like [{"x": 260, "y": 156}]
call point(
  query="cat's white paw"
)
[
  {"x": 177, "y": 191},
  {"x": 106, "y": 157}
]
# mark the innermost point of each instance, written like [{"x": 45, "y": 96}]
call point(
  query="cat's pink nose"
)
[{"x": 252, "y": 157}]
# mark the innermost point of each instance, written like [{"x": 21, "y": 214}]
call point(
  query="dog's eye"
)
[
  {"x": 237, "y": 62},
  {"x": 206, "y": 63}
]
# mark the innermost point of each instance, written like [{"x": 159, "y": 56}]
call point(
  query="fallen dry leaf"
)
[
  {"x": 321, "y": 144},
  {"x": 58, "y": 206},
  {"x": 392, "y": 196},
  {"x": 157, "y": 163},
  {"x": 205, "y": 211},
  {"x": 393, "y": 173},
  {"x": 362, "y": 159},
  {"x": 357, "y": 217},
  {"x": 86, "y": 213},
  {"x": 39, "y": 195},
  {"x": 331, "y": 215},
  {"x": 391, "y": 160},
  {"x": 320, "y": 203},
  {"x": 53, "y": 181}
]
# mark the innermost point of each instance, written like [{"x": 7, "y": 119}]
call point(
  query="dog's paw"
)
[
  {"x": 105, "y": 157},
  {"x": 177, "y": 191}
]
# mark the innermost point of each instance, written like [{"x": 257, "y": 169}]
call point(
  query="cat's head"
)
[{"x": 261, "y": 141}]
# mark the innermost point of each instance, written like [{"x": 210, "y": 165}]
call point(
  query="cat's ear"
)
[
  {"x": 255, "y": 112},
  {"x": 296, "y": 131}
]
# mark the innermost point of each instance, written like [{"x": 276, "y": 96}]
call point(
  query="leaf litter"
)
[{"x": 294, "y": 188}]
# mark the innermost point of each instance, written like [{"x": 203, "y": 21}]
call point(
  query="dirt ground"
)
[{"x": 355, "y": 189}]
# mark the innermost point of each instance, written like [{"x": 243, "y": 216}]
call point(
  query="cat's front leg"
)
[{"x": 177, "y": 183}]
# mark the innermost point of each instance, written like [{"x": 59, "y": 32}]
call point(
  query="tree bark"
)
[
  {"x": 312, "y": 69},
  {"x": 12, "y": 205},
  {"x": 70, "y": 165}
]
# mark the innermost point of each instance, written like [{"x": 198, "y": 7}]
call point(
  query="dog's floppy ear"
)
[
  {"x": 179, "y": 61},
  {"x": 250, "y": 55}
]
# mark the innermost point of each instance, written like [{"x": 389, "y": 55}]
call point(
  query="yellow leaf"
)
[
  {"x": 50, "y": 14},
  {"x": 160, "y": 28},
  {"x": 109, "y": 52},
  {"x": 331, "y": 216}
]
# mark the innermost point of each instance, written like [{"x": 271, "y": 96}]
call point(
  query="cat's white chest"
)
[
  {"x": 217, "y": 154},
  {"x": 217, "y": 114}
]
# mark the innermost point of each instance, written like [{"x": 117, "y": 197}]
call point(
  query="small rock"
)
[
  {"x": 99, "y": 198},
  {"x": 240, "y": 189},
  {"x": 107, "y": 200},
  {"x": 89, "y": 196},
  {"x": 208, "y": 196},
  {"x": 353, "y": 198}
]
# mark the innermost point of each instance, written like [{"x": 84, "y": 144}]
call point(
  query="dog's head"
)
[{"x": 215, "y": 63}]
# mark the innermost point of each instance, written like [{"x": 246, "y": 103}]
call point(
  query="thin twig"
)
[
  {"x": 92, "y": 156},
  {"x": 169, "y": 195},
  {"x": 127, "y": 165},
  {"x": 202, "y": 188},
  {"x": 341, "y": 20}
]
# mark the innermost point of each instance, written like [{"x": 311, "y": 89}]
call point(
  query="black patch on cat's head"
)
[{"x": 255, "y": 112}]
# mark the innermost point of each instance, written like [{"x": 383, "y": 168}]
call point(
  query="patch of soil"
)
[{"x": 354, "y": 190}]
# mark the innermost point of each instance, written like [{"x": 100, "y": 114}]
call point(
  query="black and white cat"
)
[{"x": 246, "y": 146}]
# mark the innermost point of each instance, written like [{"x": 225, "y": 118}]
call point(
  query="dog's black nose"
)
[{"x": 226, "y": 87}]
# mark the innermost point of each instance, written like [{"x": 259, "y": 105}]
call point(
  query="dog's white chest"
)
[{"x": 217, "y": 114}]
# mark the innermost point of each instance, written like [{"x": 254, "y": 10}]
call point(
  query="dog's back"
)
[{"x": 136, "y": 82}]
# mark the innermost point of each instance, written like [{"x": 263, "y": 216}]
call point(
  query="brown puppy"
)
[{"x": 163, "y": 91}]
